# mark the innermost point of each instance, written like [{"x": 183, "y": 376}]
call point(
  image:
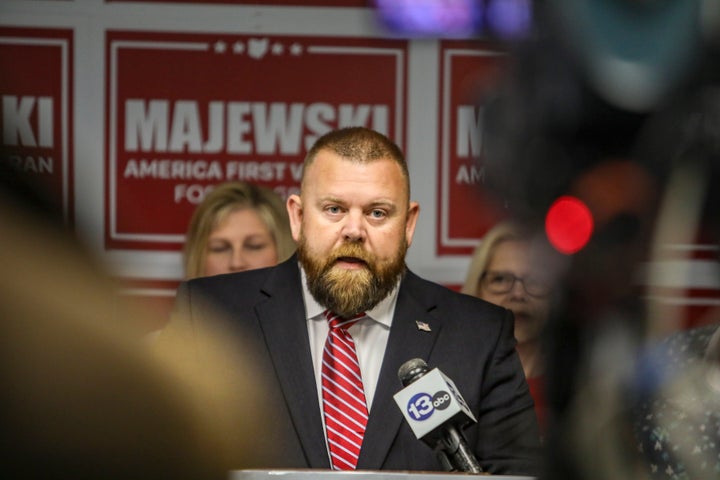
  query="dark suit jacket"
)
[{"x": 471, "y": 341}]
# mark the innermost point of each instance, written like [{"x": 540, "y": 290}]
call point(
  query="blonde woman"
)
[
  {"x": 238, "y": 226},
  {"x": 504, "y": 271}
]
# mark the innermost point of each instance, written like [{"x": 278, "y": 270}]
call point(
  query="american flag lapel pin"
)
[{"x": 425, "y": 327}]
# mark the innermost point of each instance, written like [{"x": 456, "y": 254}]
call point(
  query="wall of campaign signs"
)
[{"x": 128, "y": 111}]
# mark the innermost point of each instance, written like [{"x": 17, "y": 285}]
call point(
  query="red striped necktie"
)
[{"x": 343, "y": 395}]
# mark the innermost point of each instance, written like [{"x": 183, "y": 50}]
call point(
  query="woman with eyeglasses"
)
[{"x": 503, "y": 271}]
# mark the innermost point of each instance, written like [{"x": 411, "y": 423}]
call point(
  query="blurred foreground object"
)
[
  {"x": 615, "y": 104},
  {"x": 676, "y": 387},
  {"x": 635, "y": 54},
  {"x": 82, "y": 396},
  {"x": 583, "y": 86},
  {"x": 677, "y": 421}
]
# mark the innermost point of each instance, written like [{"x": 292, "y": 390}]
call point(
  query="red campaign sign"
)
[
  {"x": 36, "y": 117},
  {"x": 468, "y": 71},
  {"x": 188, "y": 111}
]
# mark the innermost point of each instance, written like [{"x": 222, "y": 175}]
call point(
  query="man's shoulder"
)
[
  {"x": 236, "y": 277},
  {"x": 237, "y": 294},
  {"x": 247, "y": 281}
]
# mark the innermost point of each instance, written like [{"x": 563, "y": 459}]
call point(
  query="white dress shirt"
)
[{"x": 370, "y": 335}]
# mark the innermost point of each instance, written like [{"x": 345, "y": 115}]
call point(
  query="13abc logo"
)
[{"x": 422, "y": 405}]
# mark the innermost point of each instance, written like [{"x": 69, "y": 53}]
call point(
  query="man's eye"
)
[
  {"x": 378, "y": 214},
  {"x": 333, "y": 209}
]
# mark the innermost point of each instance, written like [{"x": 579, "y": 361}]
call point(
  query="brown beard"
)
[{"x": 349, "y": 292}]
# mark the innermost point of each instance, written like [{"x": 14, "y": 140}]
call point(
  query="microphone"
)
[{"x": 436, "y": 413}]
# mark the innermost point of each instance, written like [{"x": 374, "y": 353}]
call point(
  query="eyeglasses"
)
[{"x": 503, "y": 282}]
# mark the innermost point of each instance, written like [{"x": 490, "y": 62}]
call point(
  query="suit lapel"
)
[
  {"x": 282, "y": 319},
  {"x": 407, "y": 340}
]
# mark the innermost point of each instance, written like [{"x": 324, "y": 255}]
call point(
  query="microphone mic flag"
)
[{"x": 436, "y": 413}]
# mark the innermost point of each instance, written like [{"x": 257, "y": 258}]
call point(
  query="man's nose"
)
[{"x": 354, "y": 226}]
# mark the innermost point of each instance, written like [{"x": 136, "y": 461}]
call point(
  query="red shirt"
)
[{"x": 536, "y": 385}]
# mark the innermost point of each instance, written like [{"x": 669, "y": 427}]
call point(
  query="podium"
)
[{"x": 309, "y": 474}]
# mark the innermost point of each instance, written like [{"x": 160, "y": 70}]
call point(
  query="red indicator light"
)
[{"x": 568, "y": 225}]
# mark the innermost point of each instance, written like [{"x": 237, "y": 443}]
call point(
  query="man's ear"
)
[
  {"x": 412, "y": 216},
  {"x": 295, "y": 212}
]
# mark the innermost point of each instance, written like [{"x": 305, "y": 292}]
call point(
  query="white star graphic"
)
[
  {"x": 296, "y": 49},
  {"x": 238, "y": 47},
  {"x": 220, "y": 46},
  {"x": 277, "y": 48}
]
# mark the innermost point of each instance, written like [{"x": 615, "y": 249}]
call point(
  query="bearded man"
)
[{"x": 332, "y": 325}]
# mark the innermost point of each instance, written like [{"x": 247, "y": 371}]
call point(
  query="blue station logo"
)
[{"x": 422, "y": 405}]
